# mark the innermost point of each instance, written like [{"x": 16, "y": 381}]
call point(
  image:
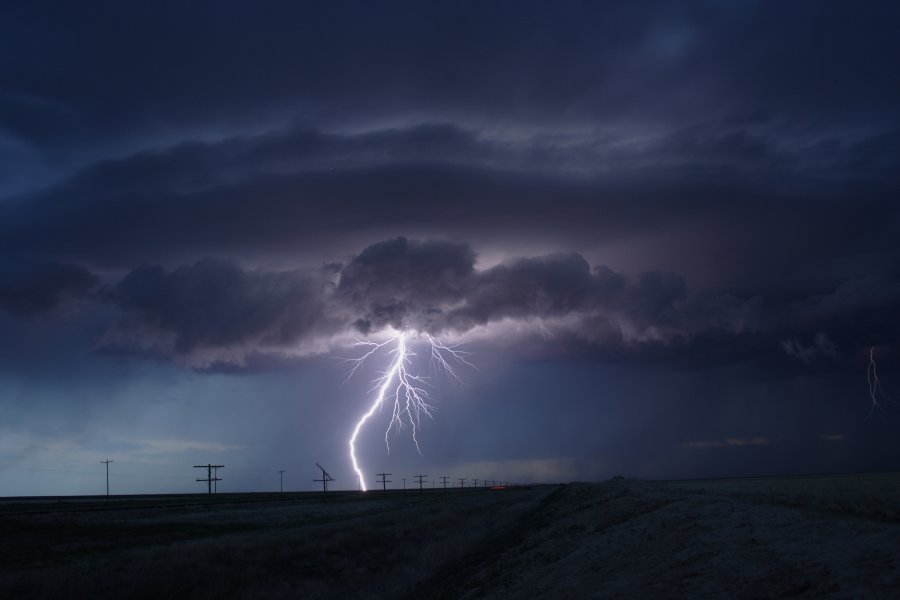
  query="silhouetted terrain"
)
[{"x": 800, "y": 537}]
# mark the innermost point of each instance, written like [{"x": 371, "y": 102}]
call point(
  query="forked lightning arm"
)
[{"x": 404, "y": 387}]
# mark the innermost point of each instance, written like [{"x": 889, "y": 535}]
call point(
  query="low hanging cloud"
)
[
  {"x": 403, "y": 283},
  {"x": 30, "y": 289},
  {"x": 821, "y": 347},
  {"x": 730, "y": 443},
  {"x": 217, "y": 311},
  {"x": 433, "y": 286}
]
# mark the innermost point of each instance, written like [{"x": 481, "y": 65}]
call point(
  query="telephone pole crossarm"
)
[
  {"x": 210, "y": 478},
  {"x": 325, "y": 479}
]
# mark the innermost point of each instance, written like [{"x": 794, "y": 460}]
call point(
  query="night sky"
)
[{"x": 667, "y": 233}]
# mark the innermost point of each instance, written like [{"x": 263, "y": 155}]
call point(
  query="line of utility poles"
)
[
  {"x": 106, "y": 462},
  {"x": 212, "y": 478}
]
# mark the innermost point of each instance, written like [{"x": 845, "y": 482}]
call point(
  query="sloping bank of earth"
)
[{"x": 639, "y": 539}]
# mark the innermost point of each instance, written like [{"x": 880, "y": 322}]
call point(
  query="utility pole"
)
[
  {"x": 404, "y": 484},
  {"x": 420, "y": 478},
  {"x": 106, "y": 462},
  {"x": 209, "y": 476},
  {"x": 281, "y": 482},
  {"x": 325, "y": 479},
  {"x": 475, "y": 482},
  {"x": 444, "y": 479},
  {"x": 216, "y": 479},
  {"x": 384, "y": 481},
  {"x": 462, "y": 482}
]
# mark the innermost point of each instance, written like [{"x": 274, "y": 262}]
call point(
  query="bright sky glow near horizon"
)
[{"x": 666, "y": 233}]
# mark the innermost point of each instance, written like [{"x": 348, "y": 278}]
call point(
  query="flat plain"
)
[{"x": 809, "y": 537}]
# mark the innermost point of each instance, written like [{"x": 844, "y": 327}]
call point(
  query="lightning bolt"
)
[
  {"x": 400, "y": 386},
  {"x": 875, "y": 391}
]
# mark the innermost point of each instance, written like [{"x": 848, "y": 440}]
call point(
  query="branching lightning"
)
[
  {"x": 875, "y": 391},
  {"x": 403, "y": 388}
]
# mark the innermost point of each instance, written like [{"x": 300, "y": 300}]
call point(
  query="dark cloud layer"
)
[
  {"x": 216, "y": 309},
  {"x": 738, "y": 188},
  {"x": 33, "y": 289},
  {"x": 179, "y": 205},
  {"x": 402, "y": 283},
  {"x": 217, "y": 312},
  {"x": 216, "y": 306},
  {"x": 218, "y": 61}
]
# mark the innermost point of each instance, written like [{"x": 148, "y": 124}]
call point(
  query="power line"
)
[
  {"x": 384, "y": 481},
  {"x": 444, "y": 479},
  {"x": 420, "y": 478}
]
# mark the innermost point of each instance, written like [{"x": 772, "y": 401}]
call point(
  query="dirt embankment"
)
[{"x": 804, "y": 537}]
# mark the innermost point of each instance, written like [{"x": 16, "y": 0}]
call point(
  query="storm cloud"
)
[
  {"x": 217, "y": 311},
  {"x": 34, "y": 289}
]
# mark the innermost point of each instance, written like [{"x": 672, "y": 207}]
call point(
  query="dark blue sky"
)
[{"x": 668, "y": 233}]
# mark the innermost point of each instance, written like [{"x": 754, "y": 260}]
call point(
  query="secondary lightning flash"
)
[{"x": 875, "y": 392}]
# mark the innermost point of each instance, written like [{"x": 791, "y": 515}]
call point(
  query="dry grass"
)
[
  {"x": 362, "y": 548},
  {"x": 782, "y": 537},
  {"x": 874, "y": 495}
]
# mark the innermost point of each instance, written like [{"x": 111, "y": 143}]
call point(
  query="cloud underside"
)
[
  {"x": 218, "y": 312},
  {"x": 730, "y": 443},
  {"x": 215, "y": 310}
]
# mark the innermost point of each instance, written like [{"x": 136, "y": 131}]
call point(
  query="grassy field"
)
[
  {"x": 344, "y": 546},
  {"x": 792, "y": 537}
]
